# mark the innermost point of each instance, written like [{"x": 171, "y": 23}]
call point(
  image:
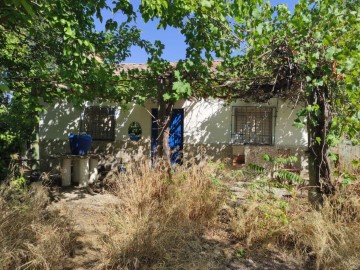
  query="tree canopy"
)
[
  {"x": 50, "y": 50},
  {"x": 310, "y": 56}
]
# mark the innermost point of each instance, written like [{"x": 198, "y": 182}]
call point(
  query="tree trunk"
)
[
  {"x": 319, "y": 122},
  {"x": 165, "y": 109},
  {"x": 35, "y": 148},
  {"x": 164, "y": 117}
]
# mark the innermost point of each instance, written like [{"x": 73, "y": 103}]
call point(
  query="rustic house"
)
[{"x": 237, "y": 133}]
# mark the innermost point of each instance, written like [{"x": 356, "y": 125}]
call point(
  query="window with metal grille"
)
[
  {"x": 252, "y": 125},
  {"x": 99, "y": 122}
]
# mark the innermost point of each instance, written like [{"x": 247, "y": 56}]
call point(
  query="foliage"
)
[
  {"x": 59, "y": 53},
  {"x": 323, "y": 238},
  {"x": 16, "y": 127},
  {"x": 51, "y": 51},
  {"x": 285, "y": 175},
  {"x": 281, "y": 161},
  {"x": 159, "y": 222},
  {"x": 277, "y": 170},
  {"x": 18, "y": 183},
  {"x": 310, "y": 56},
  {"x": 256, "y": 168}
]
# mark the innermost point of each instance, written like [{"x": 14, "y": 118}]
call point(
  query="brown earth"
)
[{"x": 88, "y": 212}]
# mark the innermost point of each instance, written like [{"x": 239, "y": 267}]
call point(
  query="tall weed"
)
[
  {"x": 159, "y": 223},
  {"x": 30, "y": 236},
  {"x": 327, "y": 238}
]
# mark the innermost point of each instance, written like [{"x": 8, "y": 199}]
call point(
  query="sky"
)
[{"x": 171, "y": 38}]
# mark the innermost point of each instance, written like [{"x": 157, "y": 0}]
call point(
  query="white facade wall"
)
[
  {"x": 205, "y": 122},
  {"x": 207, "y": 133},
  {"x": 209, "y": 122}
]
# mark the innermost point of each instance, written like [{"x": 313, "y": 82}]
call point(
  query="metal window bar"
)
[
  {"x": 252, "y": 125},
  {"x": 99, "y": 122}
]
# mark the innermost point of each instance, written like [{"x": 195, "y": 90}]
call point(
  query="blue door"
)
[{"x": 176, "y": 138}]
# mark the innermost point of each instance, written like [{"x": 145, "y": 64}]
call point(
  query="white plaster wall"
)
[
  {"x": 209, "y": 121},
  {"x": 206, "y": 122},
  {"x": 58, "y": 121},
  {"x": 285, "y": 133},
  {"x": 134, "y": 113}
]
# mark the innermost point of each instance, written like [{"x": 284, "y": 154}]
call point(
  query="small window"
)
[
  {"x": 99, "y": 122},
  {"x": 135, "y": 131},
  {"x": 252, "y": 125}
]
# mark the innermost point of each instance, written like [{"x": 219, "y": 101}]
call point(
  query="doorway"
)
[{"x": 176, "y": 136}]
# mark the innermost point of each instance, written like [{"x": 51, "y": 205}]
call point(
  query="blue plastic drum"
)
[{"x": 80, "y": 144}]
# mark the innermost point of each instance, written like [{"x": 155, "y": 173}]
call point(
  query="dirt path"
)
[{"x": 88, "y": 214}]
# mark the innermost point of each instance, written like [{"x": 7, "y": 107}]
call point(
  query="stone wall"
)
[
  {"x": 347, "y": 153},
  {"x": 238, "y": 156},
  {"x": 214, "y": 152},
  {"x": 112, "y": 153}
]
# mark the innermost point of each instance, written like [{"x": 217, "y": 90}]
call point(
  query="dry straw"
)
[
  {"x": 326, "y": 238},
  {"x": 30, "y": 236},
  {"x": 159, "y": 222}
]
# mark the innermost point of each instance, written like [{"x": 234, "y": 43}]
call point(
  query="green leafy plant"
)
[
  {"x": 215, "y": 180},
  {"x": 18, "y": 183},
  {"x": 284, "y": 175},
  {"x": 256, "y": 168},
  {"x": 347, "y": 178},
  {"x": 280, "y": 172},
  {"x": 240, "y": 252},
  {"x": 277, "y": 170}
]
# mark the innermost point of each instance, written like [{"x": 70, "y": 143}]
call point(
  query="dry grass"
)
[
  {"x": 327, "y": 238},
  {"x": 30, "y": 236},
  {"x": 159, "y": 223}
]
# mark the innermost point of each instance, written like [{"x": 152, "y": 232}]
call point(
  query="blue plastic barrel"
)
[
  {"x": 73, "y": 143},
  {"x": 80, "y": 144}
]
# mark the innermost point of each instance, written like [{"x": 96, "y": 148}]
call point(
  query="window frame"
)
[
  {"x": 93, "y": 127},
  {"x": 255, "y": 112}
]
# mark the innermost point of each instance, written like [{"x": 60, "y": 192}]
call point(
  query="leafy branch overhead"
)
[
  {"x": 56, "y": 49},
  {"x": 50, "y": 51},
  {"x": 310, "y": 56}
]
